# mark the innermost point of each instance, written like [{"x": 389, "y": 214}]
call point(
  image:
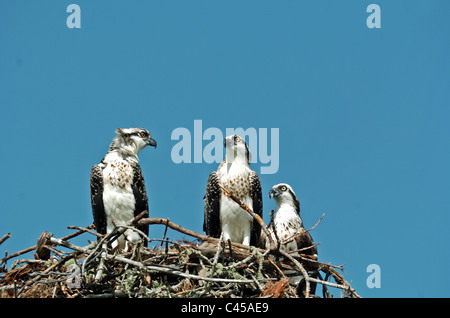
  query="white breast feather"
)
[
  {"x": 118, "y": 197},
  {"x": 287, "y": 223},
  {"x": 236, "y": 223}
]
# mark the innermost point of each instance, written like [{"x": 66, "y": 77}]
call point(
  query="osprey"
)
[
  {"x": 222, "y": 214},
  {"x": 288, "y": 227},
  {"x": 117, "y": 185},
  {"x": 287, "y": 223}
]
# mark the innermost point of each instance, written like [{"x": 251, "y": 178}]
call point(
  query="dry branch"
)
[
  {"x": 253, "y": 214},
  {"x": 4, "y": 238},
  {"x": 208, "y": 267}
]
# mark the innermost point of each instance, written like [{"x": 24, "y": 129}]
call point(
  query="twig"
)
[
  {"x": 276, "y": 266},
  {"x": 165, "y": 233},
  {"x": 216, "y": 257},
  {"x": 317, "y": 223},
  {"x": 147, "y": 267},
  {"x": 50, "y": 268},
  {"x": 101, "y": 265},
  {"x": 119, "y": 230},
  {"x": 325, "y": 292},
  {"x": 214, "y": 264},
  {"x": 176, "y": 227},
  {"x": 32, "y": 248},
  {"x": 302, "y": 270},
  {"x": 29, "y": 249},
  {"x": 195, "y": 270},
  {"x": 302, "y": 249},
  {"x": 82, "y": 230},
  {"x": 178, "y": 273},
  {"x": 4, "y": 238},
  {"x": 250, "y": 258},
  {"x": 300, "y": 232},
  {"x": 253, "y": 214},
  {"x": 341, "y": 281}
]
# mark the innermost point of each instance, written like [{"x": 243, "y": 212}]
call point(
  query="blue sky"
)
[{"x": 362, "y": 115}]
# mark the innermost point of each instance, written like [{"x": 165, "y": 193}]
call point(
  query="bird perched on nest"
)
[
  {"x": 287, "y": 223},
  {"x": 221, "y": 213},
  {"x": 287, "y": 228},
  {"x": 117, "y": 185}
]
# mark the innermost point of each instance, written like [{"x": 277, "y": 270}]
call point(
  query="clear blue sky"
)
[{"x": 363, "y": 116}]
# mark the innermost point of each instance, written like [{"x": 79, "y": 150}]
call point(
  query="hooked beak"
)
[
  {"x": 273, "y": 193},
  {"x": 228, "y": 142},
  {"x": 151, "y": 142}
]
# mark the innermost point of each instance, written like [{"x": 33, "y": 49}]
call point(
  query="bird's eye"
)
[
  {"x": 237, "y": 139},
  {"x": 283, "y": 188},
  {"x": 143, "y": 134}
]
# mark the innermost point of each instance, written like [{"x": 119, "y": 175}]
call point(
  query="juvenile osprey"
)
[
  {"x": 117, "y": 184},
  {"x": 222, "y": 214},
  {"x": 291, "y": 233},
  {"x": 287, "y": 222}
]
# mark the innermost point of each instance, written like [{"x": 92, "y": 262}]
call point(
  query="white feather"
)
[
  {"x": 118, "y": 197},
  {"x": 287, "y": 223},
  {"x": 236, "y": 223},
  {"x": 287, "y": 220}
]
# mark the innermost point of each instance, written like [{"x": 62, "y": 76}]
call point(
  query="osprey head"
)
[
  {"x": 283, "y": 193},
  {"x": 236, "y": 148},
  {"x": 132, "y": 139}
]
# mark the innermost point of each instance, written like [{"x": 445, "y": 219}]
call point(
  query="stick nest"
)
[{"x": 204, "y": 267}]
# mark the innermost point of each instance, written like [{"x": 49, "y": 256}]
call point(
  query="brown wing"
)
[
  {"x": 211, "y": 222},
  {"x": 140, "y": 195},
  {"x": 256, "y": 196},
  {"x": 98, "y": 209}
]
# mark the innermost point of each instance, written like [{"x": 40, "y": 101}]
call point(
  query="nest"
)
[{"x": 204, "y": 267}]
